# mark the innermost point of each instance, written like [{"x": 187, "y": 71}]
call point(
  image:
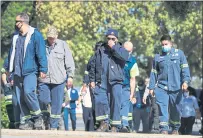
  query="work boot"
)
[
  {"x": 46, "y": 122},
  {"x": 39, "y": 123},
  {"x": 155, "y": 131},
  {"x": 164, "y": 132},
  {"x": 104, "y": 127},
  {"x": 113, "y": 129},
  {"x": 175, "y": 132},
  {"x": 125, "y": 130},
  {"x": 28, "y": 125}
]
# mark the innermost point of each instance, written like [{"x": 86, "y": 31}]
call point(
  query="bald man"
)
[{"x": 131, "y": 71}]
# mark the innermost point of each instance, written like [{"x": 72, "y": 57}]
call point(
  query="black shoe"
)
[
  {"x": 125, "y": 130},
  {"x": 28, "y": 125},
  {"x": 104, "y": 127},
  {"x": 155, "y": 131},
  {"x": 46, "y": 122},
  {"x": 39, "y": 123}
]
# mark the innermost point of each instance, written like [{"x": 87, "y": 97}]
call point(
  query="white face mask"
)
[{"x": 166, "y": 48}]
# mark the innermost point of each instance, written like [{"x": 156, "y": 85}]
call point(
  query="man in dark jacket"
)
[
  {"x": 27, "y": 61},
  {"x": 106, "y": 76}
]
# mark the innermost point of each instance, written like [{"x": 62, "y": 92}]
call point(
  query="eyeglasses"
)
[
  {"x": 18, "y": 21},
  {"x": 109, "y": 38}
]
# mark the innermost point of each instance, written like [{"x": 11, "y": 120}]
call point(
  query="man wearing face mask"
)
[
  {"x": 170, "y": 76},
  {"x": 130, "y": 71},
  {"x": 27, "y": 60},
  {"x": 106, "y": 76},
  {"x": 60, "y": 67}
]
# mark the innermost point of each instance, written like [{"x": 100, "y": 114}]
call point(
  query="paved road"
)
[{"x": 8, "y": 133}]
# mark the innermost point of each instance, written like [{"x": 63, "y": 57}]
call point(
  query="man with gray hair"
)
[
  {"x": 27, "y": 60},
  {"x": 60, "y": 69}
]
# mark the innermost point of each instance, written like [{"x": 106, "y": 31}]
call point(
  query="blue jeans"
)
[
  {"x": 25, "y": 90},
  {"x": 168, "y": 104},
  {"x": 72, "y": 113},
  {"x": 54, "y": 94}
]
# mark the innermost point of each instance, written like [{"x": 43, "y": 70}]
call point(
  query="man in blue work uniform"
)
[
  {"x": 106, "y": 75},
  {"x": 89, "y": 111},
  {"x": 131, "y": 71},
  {"x": 27, "y": 60},
  {"x": 170, "y": 73}
]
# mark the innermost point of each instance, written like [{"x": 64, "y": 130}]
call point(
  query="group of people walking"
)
[{"x": 41, "y": 73}]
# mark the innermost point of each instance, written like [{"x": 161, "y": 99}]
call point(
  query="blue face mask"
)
[{"x": 166, "y": 49}]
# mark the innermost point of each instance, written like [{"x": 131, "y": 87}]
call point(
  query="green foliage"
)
[
  {"x": 8, "y": 19},
  {"x": 4, "y": 116}
]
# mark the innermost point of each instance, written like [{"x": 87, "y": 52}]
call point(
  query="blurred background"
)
[{"x": 84, "y": 23}]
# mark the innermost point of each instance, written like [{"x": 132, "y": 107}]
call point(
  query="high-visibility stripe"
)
[
  {"x": 124, "y": 118},
  {"x": 154, "y": 71},
  {"x": 35, "y": 112},
  {"x": 45, "y": 111},
  {"x": 115, "y": 122},
  {"x": 25, "y": 117},
  {"x": 130, "y": 118},
  {"x": 184, "y": 66},
  {"x": 55, "y": 116},
  {"x": 8, "y": 97},
  {"x": 163, "y": 123},
  {"x": 86, "y": 72},
  {"x": 8, "y": 102},
  {"x": 130, "y": 114},
  {"x": 98, "y": 118},
  {"x": 174, "y": 122}
]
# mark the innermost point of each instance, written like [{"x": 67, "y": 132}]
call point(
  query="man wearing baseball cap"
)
[
  {"x": 60, "y": 67},
  {"x": 106, "y": 77}
]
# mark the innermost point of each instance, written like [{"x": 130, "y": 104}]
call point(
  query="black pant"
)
[
  {"x": 186, "y": 125},
  {"x": 88, "y": 118},
  {"x": 9, "y": 109},
  {"x": 154, "y": 115}
]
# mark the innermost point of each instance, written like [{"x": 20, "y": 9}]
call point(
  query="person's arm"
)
[
  {"x": 92, "y": 74},
  {"x": 146, "y": 93},
  {"x": 153, "y": 76},
  {"x": 120, "y": 52},
  {"x": 69, "y": 62},
  {"x": 196, "y": 106},
  {"x": 185, "y": 71},
  {"x": 41, "y": 52}
]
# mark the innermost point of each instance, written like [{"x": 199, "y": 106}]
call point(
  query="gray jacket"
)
[{"x": 60, "y": 63}]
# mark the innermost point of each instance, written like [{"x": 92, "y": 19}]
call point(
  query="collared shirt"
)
[
  {"x": 187, "y": 106},
  {"x": 19, "y": 55},
  {"x": 60, "y": 63}
]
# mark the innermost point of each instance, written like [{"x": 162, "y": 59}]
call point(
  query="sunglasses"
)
[
  {"x": 108, "y": 38},
  {"x": 19, "y": 21}
]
